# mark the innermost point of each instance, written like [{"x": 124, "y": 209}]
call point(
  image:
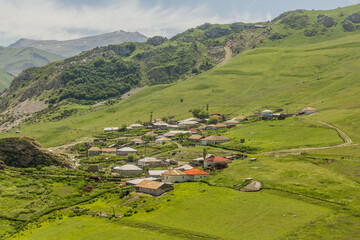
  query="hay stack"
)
[{"x": 254, "y": 186}]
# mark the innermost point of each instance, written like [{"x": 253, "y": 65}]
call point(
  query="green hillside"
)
[
  {"x": 15, "y": 60},
  {"x": 323, "y": 76},
  {"x": 5, "y": 79}
]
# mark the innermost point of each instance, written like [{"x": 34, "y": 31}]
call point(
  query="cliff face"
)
[{"x": 26, "y": 152}]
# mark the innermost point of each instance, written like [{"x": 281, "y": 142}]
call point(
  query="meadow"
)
[{"x": 322, "y": 76}]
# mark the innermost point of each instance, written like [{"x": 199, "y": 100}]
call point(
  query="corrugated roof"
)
[
  {"x": 128, "y": 167},
  {"x": 149, "y": 184},
  {"x": 195, "y": 171},
  {"x": 220, "y": 125},
  {"x": 173, "y": 172},
  {"x": 163, "y": 139},
  {"x": 156, "y": 172},
  {"x": 149, "y": 159},
  {"x": 195, "y": 137},
  {"x": 192, "y": 130},
  {"x": 217, "y": 159},
  {"x": 139, "y": 180},
  {"x": 231, "y": 121},
  {"x": 108, "y": 149},
  {"x": 94, "y": 149},
  {"x": 185, "y": 167},
  {"x": 127, "y": 149},
  {"x": 216, "y": 138}
]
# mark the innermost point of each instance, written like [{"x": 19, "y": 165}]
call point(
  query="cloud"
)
[{"x": 51, "y": 19}]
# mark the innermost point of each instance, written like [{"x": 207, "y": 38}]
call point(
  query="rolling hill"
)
[
  {"x": 73, "y": 47},
  {"x": 5, "y": 79}
]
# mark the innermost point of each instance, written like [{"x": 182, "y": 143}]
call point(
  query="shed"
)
[
  {"x": 94, "y": 151},
  {"x": 137, "y": 141},
  {"x": 128, "y": 170},
  {"x": 136, "y": 125},
  {"x": 149, "y": 162},
  {"x": 126, "y": 151},
  {"x": 174, "y": 176},
  {"x": 152, "y": 187},
  {"x": 195, "y": 138},
  {"x": 162, "y": 140},
  {"x": 240, "y": 118},
  {"x": 266, "y": 113},
  {"x": 155, "y": 173},
  {"x": 309, "y": 110},
  {"x": 111, "y": 129},
  {"x": 139, "y": 180},
  {"x": 184, "y": 167},
  {"x": 108, "y": 150}
]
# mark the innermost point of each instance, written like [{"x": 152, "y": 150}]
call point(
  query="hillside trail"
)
[
  {"x": 228, "y": 53},
  {"x": 62, "y": 148},
  {"x": 342, "y": 134}
]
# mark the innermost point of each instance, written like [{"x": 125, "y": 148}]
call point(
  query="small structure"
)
[
  {"x": 309, "y": 110},
  {"x": 152, "y": 187},
  {"x": 2, "y": 165},
  {"x": 196, "y": 173},
  {"x": 99, "y": 140},
  {"x": 137, "y": 141},
  {"x": 155, "y": 173},
  {"x": 214, "y": 139},
  {"x": 220, "y": 125},
  {"x": 184, "y": 167},
  {"x": 136, "y": 125},
  {"x": 162, "y": 140},
  {"x": 128, "y": 170},
  {"x": 214, "y": 160},
  {"x": 254, "y": 186},
  {"x": 93, "y": 168},
  {"x": 174, "y": 176},
  {"x": 266, "y": 113},
  {"x": 240, "y": 119},
  {"x": 192, "y": 131},
  {"x": 171, "y": 162},
  {"x": 126, "y": 151},
  {"x": 169, "y": 134},
  {"x": 111, "y": 129},
  {"x": 190, "y": 124},
  {"x": 149, "y": 162},
  {"x": 94, "y": 151},
  {"x": 108, "y": 150},
  {"x": 197, "y": 162},
  {"x": 217, "y": 116},
  {"x": 195, "y": 138},
  {"x": 139, "y": 180},
  {"x": 231, "y": 123}
]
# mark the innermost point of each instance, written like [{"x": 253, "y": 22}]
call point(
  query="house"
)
[
  {"x": 94, "y": 151},
  {"x": 162, "y": 140},
  {"x": 149, "y": 162},
  {"x": 93, "y": 168},
  {"x": 137, "y": 141},
  {"x": 169, "y": 134},
  {"x": 136, "y": 125},
  {"x": 215, "y": 159},
  {"x": 196, "y": 173},
  {"x": 139, "y": 180},
  {"x": 155, "y": 173},
  {"x": 128, "y": 170},
  {"x": 184, "y": 167},
  {"x": 152, "y": 187},
  {"x": 108, "y": 150},
  {"x": 266, "y": 113},
  {"x": 174, "y": 176},
  {"x": 188, "y": 123},
  {"x": 111, "y": 129},
  {"x": 192, "y": 131},
  {"x": 213, "y": 140},
  {"x": 220, "y": 125},
  {"x": 161, "y": 125},
  {"x": 309, "y": 110},
  {"x": 230, "y": 123},
  {"x": 220, "y": 118},
  {"x": 126, "y": 151},
  {"x": 195, "y": 138},
  {"x": 240, "y": 119}
]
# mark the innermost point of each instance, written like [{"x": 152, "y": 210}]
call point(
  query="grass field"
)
[
  {"x": 5, "y": 79},
  {"x": 194, "y": 209},
  {"x": 323, "y": 76},
  {"x": 285, "y": 134}
]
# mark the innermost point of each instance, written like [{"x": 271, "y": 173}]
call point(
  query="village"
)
[{"x": 137, "y": 154}]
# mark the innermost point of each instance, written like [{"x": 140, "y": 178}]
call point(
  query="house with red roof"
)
[
  {"x": 192, "y": 130},
  {"x": 195, "y": 173},
  {"x": 215, "y": 159}
]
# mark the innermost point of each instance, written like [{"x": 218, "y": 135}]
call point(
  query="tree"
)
[
  {"x": 213, "y": 120},
  {"x": 199, "y": 113},
  {"x": 204, "y": 153}
]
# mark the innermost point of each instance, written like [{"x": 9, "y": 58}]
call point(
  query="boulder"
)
[
  {"x": 254, "y": 186},
  {"x": 348, "y": 26},
  {"x": 355, "y": 18},
  {"x": 328, "y": 21},
  {"x": 216, "y": 32}
]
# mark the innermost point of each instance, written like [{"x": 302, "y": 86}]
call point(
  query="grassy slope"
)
[
  {"x": 197, "y": 208},
  {"x": 5, "y": 79},
  {"x": 14, "y": 60},
  {"x": 257, "y": 79}
]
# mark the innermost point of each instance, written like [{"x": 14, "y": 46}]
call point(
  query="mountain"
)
[
  {"x": 70, "y": 48},
  {"x": 271, "y": 75},
  {"x": 5, "y": 79}
]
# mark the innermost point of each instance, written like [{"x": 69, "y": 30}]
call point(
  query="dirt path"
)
[
  {"x": 228, "y": 53},
  {"x": 344, "y": 136}
]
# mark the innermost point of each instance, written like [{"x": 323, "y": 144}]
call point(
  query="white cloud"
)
[{"x": 48, "y": 19}]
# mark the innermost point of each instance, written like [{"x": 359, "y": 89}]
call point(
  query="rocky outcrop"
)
[
  {"x": 156, "y": 41},
  {"x": 348, "y": 26},
  {"x": 355, "y": 18},
  {"x": 217, "y": 32},
  {"x": 26, "y": 152},
  {"x": 276, "y": 36},
  {"x": 328, "y": 21},
  {"x": 310, "y": 32},
  {"x": 254, "y": 186}
]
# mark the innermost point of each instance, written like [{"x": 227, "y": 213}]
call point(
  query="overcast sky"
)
[{"x": 69, "y": 19}]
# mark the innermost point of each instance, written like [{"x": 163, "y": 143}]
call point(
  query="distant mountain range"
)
[{"x": 73, "y": 47}]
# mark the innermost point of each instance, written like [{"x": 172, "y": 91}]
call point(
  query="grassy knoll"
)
[
  {"x": 275, "y": 135},
  {"x": 5, "y": 79},
  {"x": 324, "y": 76}
]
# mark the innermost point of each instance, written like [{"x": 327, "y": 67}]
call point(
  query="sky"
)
[{"x": 70, "y": 19}]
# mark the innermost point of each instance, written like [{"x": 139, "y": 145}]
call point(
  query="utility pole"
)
[{"x": 151, "y": 113}]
